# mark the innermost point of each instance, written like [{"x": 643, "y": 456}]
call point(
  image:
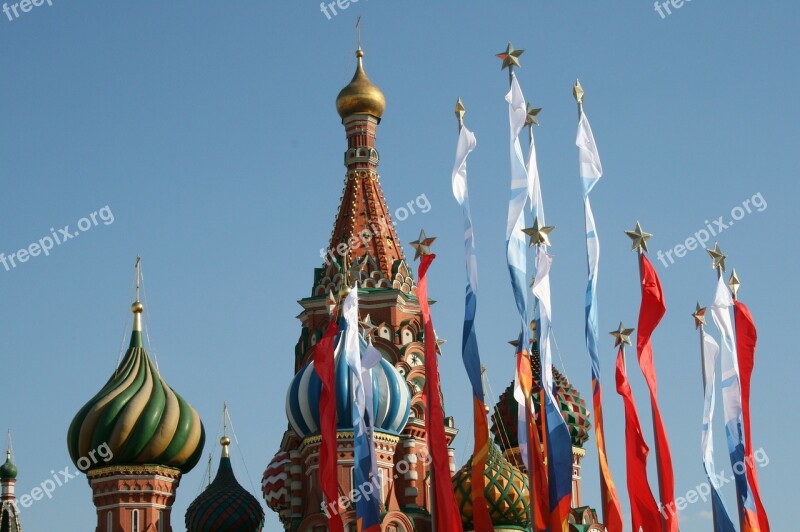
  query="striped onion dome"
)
[
  {"x": 572, "y": 406},
  {"x": 275, "y": 483},
  {"x": 225, "y": 506},
  {"x": 137, "y": 416},
  {"x": 506, "y": 493},
  {"x": 391, "y": 398}
]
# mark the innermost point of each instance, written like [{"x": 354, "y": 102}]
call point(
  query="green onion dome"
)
[
  {"x": 572, "y": 406},
  {"x": 225, "y": 506},
  {"x": 506, "y": 493},
  {"x": 8, "y": 471},
  {"x": 138, "y": 417}
]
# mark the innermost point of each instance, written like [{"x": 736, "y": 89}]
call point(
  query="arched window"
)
[{"x": 135, "y": 521}]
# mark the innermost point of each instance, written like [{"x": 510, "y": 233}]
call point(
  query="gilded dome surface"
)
[{"x": 360, "y": 96}]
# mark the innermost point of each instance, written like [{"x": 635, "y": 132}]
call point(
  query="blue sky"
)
[{"x": 209, "y": 131}]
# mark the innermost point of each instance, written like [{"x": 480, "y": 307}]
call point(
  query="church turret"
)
[
  {"x": 134, "y": 440},
  {"x": 9, "y": 513}
]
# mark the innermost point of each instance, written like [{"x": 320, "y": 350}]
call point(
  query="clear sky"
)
[{"x": 209, "y": 132}]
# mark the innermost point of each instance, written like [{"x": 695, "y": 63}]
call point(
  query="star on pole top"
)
[
  {"x": 734, "y": 284},
  {"x": 367, "y": 327},
  {"x": 639, "y": 237},
  {"x": 699, "y": 316},
  {"x": 718, "y": 257},
  {"x": 539, "y": 234},
  {"x": 330, "y": 303},
  {"x": 531, "y": 115},
  {"x": 510, "y": 57},
  {"x": 622, "y": 335},
  {"x": 460, "y": 111},
  {"x": 439, "y": 343},
  {"x": 578, "y": 92},
  {"x": 423, "y": 245}
]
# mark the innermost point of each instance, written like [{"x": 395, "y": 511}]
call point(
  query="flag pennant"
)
[
  {"x": 559, "y": 442},
  {"x": 746, "y": 339},
  {"x": 469, "y": 343},
  {"x": 722, "y": 519},
  {"x": 644, "y": 509},
  {"x": 591, "y": 171},
  {"x": 732, "y": 406},
  {"x": 651, "y": 312},
  {"x": 368, "y": 507},
  {"x": 446, "y": 515},
  {"x": 324, "y": 366}
]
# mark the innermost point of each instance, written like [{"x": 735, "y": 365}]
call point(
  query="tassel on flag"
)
[
  {"x": 644, "y": 509},
  {"x": 368, "y": 506},
  {"x": 746, "y": 339},
  {"x": 591, "y": 170},
  {"x": 651, "y": 312},
  {"x": 482, "y": 521},
  {"x": 709, "y": 350},
  {"x": 324, "y": 366},
  {"x": 446, "y": 514},
  {"x": 732, "y": 405}
]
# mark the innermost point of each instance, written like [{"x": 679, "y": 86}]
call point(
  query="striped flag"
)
[
  {"x": 324, "y": 366},
  {"x": 746, "y": 339},
  {"x": 447, "y": 515},
  {"x": 469, "y": 342},
  {"x": 559, "y": 442},
  {"x": 732, "y": 406},
  {"x": 722, "y": 519},
  {"x": 368, "y": 506},
  {"x": 651, "y": 312},
  {"x": 591, "y": 170}
]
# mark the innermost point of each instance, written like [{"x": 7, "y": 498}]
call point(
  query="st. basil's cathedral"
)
[{"x": 156, "y": 436}]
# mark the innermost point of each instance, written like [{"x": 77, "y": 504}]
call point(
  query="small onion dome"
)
[
  {"x": 391, "y": 398},
  {"x": 506, "y": 493},
  {"x": 225, "y": 506},
  {"x": 275, "y": 483},
  {"x": 572, "y": 406},
  {"x": 8, "y": 471},
  {"x": 360, "y": 97},
  {"x": 138, "y": 417}
]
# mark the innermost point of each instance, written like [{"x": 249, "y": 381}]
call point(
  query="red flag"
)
[
  {"x": 324, "y": 366},
  {"x": 447, "y": 515},
  {"x": 612, "y": 513},
  {"x": 541, "y": 489},
  {"x": 644, "y": 509},
  {"x": 650, "y": 314},
  {"x": 746, "y": 339}
]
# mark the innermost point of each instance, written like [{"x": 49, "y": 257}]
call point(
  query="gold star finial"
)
[
  {"x": 699, "y": 316},
  {"x": 531, "y": 115},
  {"x": 367, "y": 327},
  {"x": 577, "y": 92},
  {"x": 734, "y": 284},
  {"x": 460, "y": 112},
  {"x": 439, "y": 343},
  {"x": 539, "y": 234},
  {"x": 622, "y": 335},
  {"x": 510, "y": 57},
  {"x": 330, "y": 303},
  {"x": 639, "y": 238},
  {"x": 423, "y": 245},
  {"x": 717, "y": 257}
]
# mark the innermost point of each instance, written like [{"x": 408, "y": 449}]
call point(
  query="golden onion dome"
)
[{"x": 361, "y": 96}]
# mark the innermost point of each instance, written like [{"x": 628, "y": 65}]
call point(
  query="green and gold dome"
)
[
  {"x": 506, "y": 493},
  {"x": 137, "y": 416},
  {"x": 8, "y": 471}
]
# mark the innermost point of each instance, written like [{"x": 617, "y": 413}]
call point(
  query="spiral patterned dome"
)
[
  {"x": 225, "y": 506},
  {"x": 275, "y": 483},
  {"x": 138, "y": 417},
  {"x": 572, "y": 406},
  {"x": 506, "y": 493},
  {"x": 391, "y": 398}
]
